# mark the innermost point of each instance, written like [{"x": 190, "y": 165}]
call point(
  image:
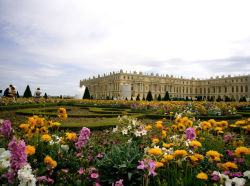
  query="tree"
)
[
  {"x": 131, "y": 98},
  {"x": 159, "y": 98},
  {"x": 187, "y": 98},
  {"x": 107, "y": 97},
  {"x": 149, "y": 96},
  {"x": 166, "y": 97},
  {"x": 86, "y": 94},
  {"x": 138, "y": 98},
  {"x": 91, "y": 97},
  {"x": 45, "y": 96},
  {"x": 61, "y": 97},
  {"x": 126, "y": 99},
  {"x": 27, "y": 92},
  {"x": 143, "y": 99},
  {"x": 17, "y": 94}
]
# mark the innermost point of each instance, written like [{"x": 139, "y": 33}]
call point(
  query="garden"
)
[{"x": 112, "y": 142}]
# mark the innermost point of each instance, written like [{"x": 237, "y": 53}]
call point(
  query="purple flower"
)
[
  {"x": 152, "y": 168},
  {"x": 190, "y": 133},
  {"x": 90, "y": 158},
  {"x": 6, "y": 128},
  {"x": 238, "y": 174},
  {"x": 94, "y": 175},
  {"x": 240, "y": 160},
  {"x": 142, "y": 166},
  {"x": 18, "y": 157},
  {"x": 215, "y": 177},
  {"x": 229, "y": 152},
  {"x": 82, "y": 139}
]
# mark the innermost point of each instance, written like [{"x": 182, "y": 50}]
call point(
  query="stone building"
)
[{"x": 119, "y": 84}]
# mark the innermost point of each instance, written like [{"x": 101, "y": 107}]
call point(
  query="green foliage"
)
[
  {"x": 121, "y": 162},
  {"x": 138, "y": 98},
  {"x": 243, "y": 99},
  {"x": 17, "y": 94},
  {"x": 149, "y": 96},
  {"x": 159, "y": 98},
  {"x": 27, "y": 92},
  {"x": 107, "y": 98},
  {"x": 86, "y": 94},
  {"x": 45, "y": 96},
  {"x": 166, "y": 97}
]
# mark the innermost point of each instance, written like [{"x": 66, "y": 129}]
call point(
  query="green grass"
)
[{"x": 108, "y": 122}]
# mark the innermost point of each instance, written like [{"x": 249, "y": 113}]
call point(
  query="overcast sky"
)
[{"x": 52, "y": 44}]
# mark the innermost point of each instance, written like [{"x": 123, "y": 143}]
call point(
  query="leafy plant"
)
[{"x": 121, "y": 162}]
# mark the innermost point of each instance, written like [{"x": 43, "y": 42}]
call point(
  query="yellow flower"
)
[
  {"x": 163, "y": 134},
  {"x": 195, "y": 143},
  {"x": 233, "y": 126},
  {"x": 168, "y": 157},
  {"x": 30, "y": 150},
  {"x": 56, "y": 124},
  {"x": 155, "y": 140},
  {"x": 202, "y": 176},
  {"x": 214, "y": 155},
  {"x": 218, "y": 129},
  {"x": 240, "y": 151},
  {"x": 24, "y": 126},
  {"x": 202, "y": 138},
  {"x": 205, "y": 125},
  {"x": 199, "y": 156},
  {"x": 158, "y": 164},
  {"x": 228, "y": 165},
  {"x": 174, "y": 127},
  {"x": 212, "y": 122},
  {"x": 181, "y": 127},
  {"x": 46, "y": 137},
  {"x": 180, "y": 153},
  {"x": 167, "y": 145},
  {"x": 148, "y": 128},
  {"x": 159, "y": 125},
  {"x": 49, "y": 161},
  {"x": 44, "y": 130},
  {"x": 155, "y": 151},
  {"x": 70, "y": 136}
]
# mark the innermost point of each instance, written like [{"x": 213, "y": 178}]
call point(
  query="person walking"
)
[{"x": 37, "y": 93}]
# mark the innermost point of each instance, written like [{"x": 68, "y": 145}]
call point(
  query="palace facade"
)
[{"x": 122, "y": 84}]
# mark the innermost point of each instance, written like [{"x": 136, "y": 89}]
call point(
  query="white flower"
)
[
  {"x": 5, "y": 159},
  {"x": 130, "y": 140},
  {"x": 137, "y": 133},
  {"x": 247, "y": 174},
  {"x": 26, "y": 177},
  {"x": 134, "y": 122},
  {"x": 65, "y": 147},
  {"x": 144, "y": 132},
  {"x": 239, "y": 181},
  {"x": 129, "y": 127},
  {"x": 115, "y": 129},
  {"x": 125, "y": 131}
]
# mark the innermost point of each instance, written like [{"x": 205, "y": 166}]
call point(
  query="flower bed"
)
[{"x": 179, "y": 151}]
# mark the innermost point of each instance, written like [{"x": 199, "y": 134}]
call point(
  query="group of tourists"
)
[{"x": 10, "y": 92}]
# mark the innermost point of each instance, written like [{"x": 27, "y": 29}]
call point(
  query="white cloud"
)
[{"x": 169, "y": 37}]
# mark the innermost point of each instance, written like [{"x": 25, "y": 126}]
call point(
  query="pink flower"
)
[
  {"x": 83, "y": 138},
  {"x": 97, "y": 184},
  {"x": 142, "y": 166},
  {"x": 50, "y": 180},
  {"x": 80, "y": 171},
  {"x": 65, "y": 170},
  {"x": 90, "y": 158},
  {"x": 119, "y": 183},
  {"x": 240, "y": 160},
  {"x": 6, "y": 128},
  {"x": 78, "y": 154},
  {"x": 92, "y": 169},
  {"x": 18, "y": 157},
  {"x": 190, "y": 134},
  {"x": 152, "y": 168},
  {"x": 94, "y": 175},
  {"x": 99, "y": 156}
]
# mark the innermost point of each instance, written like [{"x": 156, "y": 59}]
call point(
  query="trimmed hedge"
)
[
  {"x": 244, "y": 114},
  {"x": 14, "y": 107}
]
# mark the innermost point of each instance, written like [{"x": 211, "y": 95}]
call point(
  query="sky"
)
[{"x": 53, "y": 44}]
